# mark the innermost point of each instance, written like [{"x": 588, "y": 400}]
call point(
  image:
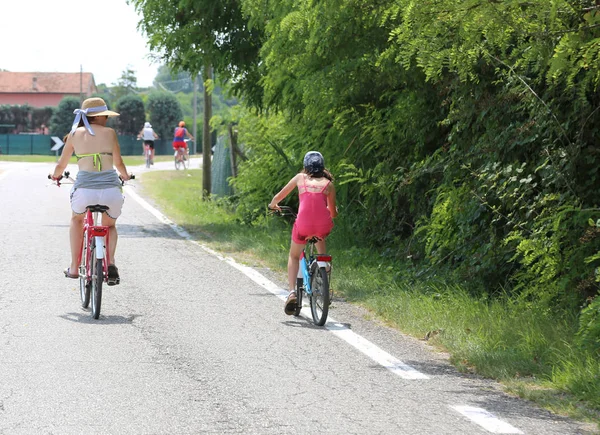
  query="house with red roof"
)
[{"x": 40, "y": 89}]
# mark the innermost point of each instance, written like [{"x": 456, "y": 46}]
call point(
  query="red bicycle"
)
[{"x": 94, "y": 257}]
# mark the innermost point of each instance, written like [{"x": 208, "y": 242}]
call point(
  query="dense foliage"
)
[
  {"x": 24, "y": 118},
  {"x": 131, "y": 114},
  {"x": 462, "y": 134},
  {"x": 62, "y": 119},
  {"x": 165, "y": 112},
  {"x": 465, "y": 133}
]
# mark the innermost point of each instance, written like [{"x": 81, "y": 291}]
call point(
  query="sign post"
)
[{"x": 58, "y": 144}]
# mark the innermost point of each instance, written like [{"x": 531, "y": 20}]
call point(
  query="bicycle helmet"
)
[
  {"x": 181, "y": 124},
  {"x": 314, "y": 163}
]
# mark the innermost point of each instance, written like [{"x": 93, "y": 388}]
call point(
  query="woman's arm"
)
[
  {"x": 64, "y": 158},
  {"x": 117, "y": 157},
  {"x": 331, "y": 206},
  {"x": 188, "y": 134},
  {"x": 284, "y": 192}
]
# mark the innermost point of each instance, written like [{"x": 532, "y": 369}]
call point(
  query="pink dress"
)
[{"x": 313, "y": 218}]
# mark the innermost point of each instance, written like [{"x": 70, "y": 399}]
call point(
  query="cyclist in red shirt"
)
[{"x": 179, "y": 142}]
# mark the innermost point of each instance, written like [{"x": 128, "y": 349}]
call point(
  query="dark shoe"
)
[
  {"x": 68, "y": 274},
  {"x": 291, "y": 303},
  {"x": 113, "y": 275}
]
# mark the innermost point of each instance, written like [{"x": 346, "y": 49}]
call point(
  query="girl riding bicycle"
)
[
  {"x": 315, "y": 214},
  {"x": 97, "y": 151}
]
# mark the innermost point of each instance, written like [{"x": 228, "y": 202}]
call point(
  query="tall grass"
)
[{"x": 526, "y": 346}]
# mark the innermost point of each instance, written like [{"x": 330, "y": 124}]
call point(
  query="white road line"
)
[
  {"x": 486, "y": 420},
  {"x": 360, "y": 343}
]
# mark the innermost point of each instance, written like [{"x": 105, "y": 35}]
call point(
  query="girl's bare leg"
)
[
  {"x": 321, "y": 247},
  {"x": 293, "y": 263}
]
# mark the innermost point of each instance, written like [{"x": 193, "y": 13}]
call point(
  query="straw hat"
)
[
  {"x": 90, "y": 104},
  {"x": 91, "y": 107}
]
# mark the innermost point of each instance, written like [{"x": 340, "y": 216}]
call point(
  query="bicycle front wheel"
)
[
  {"x": 97, "y": 275},
  {"x": 319, "y": 299}
]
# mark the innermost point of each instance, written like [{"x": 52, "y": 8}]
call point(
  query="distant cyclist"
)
[
  {"x": 148, "y": 135},
  {"x": 179, "y": 142}
]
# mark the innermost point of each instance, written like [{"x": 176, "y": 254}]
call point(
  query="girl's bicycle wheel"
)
[
  {"x": 97, "y": 275},
  {"x": 148, "y": 154},
  {"x": 84, "y": 285},
  {"x": 319, "y": 299},
  {"x": 299, "y": 292}
]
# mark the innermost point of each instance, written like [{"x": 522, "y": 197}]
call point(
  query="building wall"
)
[{"x": 34, "y": 100}]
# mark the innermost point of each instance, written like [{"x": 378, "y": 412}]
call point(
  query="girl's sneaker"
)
[{"x": 291, "y": 303}]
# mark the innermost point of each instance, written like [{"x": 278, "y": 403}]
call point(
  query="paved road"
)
[{"x": 191, "y": 343}]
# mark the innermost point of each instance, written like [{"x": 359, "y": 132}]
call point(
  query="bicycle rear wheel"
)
[
  {"x": 148, "y": 158},
  {"x": 319, "y": 299},
  {"x": 178, "y": 162},
  {"x": 97, "y": 275}
]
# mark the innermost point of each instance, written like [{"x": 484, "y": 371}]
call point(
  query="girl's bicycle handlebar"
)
[{"x": 284, "y": 210}]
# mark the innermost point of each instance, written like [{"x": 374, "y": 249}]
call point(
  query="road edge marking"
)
[{"x": 341, "y": 331}]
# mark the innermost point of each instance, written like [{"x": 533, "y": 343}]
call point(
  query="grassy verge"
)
[
  {"x": 528, "y": 349},
  {"x": 129, "y": 160}
]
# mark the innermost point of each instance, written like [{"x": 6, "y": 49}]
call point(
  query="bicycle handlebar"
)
[
  {"x": 284, "y": 210},
  {"x": 67, "y": 175}
]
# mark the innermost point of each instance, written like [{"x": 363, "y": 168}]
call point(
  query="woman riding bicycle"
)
[
  {"x": 315, "y": 214},
  {"x": 179, "y": 142},
  {"x": 97, "y": 150}
]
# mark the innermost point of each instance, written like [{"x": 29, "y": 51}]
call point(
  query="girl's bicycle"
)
[
  {"x": 94, "y": 256},
  {"x": 314, "y": 276}
]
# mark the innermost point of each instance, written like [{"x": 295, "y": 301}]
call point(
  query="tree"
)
[
  {"x": 127, "y": 84},
  {"x": 196, "y": 34},
  {"x": 172, "y": 81},
  {"x": 41, "y": 116},
  {"x": 199, "y": 35},
  {"x": 132, "y": 114},
  {"x": 165, "y": 113},
  {"x": 62, "y": 119}
]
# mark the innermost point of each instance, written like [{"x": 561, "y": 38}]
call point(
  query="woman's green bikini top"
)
[{"x": 97, "y": 158}]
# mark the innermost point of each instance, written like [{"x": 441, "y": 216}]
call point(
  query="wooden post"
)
[{"x": 206, "y": 139}]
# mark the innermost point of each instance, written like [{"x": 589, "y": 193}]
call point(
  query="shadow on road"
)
[{"x": 86, "y": 317}]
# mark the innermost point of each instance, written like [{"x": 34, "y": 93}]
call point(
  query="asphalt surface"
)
[{"x": 190, "y": 344}]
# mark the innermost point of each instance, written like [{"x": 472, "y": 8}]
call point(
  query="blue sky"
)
[{"x": 63, "y": 35}]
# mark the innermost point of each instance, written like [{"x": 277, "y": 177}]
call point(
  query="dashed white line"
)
[{"x": 486, "y": 420}]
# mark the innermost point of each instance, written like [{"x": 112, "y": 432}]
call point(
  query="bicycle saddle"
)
[{"x": 97, "y": 208}]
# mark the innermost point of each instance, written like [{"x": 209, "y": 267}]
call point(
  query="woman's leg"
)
[
  {"x": 76, "y": 239},
  {"x": 294, "y": 263},
  {"x": 112, "y": 235}
]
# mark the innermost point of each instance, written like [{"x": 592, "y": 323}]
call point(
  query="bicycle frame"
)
[
  {"x": 305, "y": 265},
  {"x": 101, "y": 234}
]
